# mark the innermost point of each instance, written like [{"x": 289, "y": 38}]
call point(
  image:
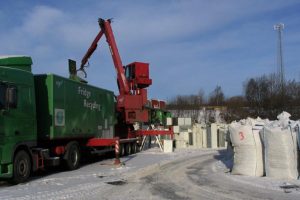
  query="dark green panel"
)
[
  {"x": 166, "y": 114},
  {"x": 18, "y": 62},
  {"x": 69, "y": 109}
]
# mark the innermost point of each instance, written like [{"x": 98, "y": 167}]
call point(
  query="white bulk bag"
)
[
  {"x": 281, "y": 153},
  {"x": 248, "y": 153}
]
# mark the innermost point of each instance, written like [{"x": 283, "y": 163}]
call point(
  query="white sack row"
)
[{"x": 265, "y": 147}]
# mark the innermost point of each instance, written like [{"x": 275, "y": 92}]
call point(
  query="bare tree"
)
[{"x": 217, "y": 97}]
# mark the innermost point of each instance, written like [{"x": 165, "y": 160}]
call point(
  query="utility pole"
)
[{"x": 280, "y": 67}]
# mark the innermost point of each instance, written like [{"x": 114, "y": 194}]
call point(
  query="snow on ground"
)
[
  {"x": 151, "y": 174},
  {"x": 86, "y": 180},
  {"x": 267, "y": 183}
]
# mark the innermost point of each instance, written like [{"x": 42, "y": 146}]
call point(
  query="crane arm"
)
[
  {"x": 122, "y": 81},
  {"x": 91, "y": 50},
  {"x": 107, "y": 31}
]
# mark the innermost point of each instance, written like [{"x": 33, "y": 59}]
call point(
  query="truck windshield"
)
[{"x": 2, "y": 95}]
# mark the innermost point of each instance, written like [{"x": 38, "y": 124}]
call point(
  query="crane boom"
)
[
  {"x": 91, "y": 50},
  {"x": 107, "y": 30},
  {"x": 122, "y": 82}
]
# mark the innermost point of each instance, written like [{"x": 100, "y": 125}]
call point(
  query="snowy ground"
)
[{"x": 184, "y": 174}]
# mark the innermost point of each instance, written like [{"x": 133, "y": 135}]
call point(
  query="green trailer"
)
[
  {"x": 70, "y": 109},
  {"x": 48, "y": 120}
]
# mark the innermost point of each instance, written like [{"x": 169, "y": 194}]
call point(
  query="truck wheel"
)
[
  {"x": 21, "y": 168},
  {"x": 137, "y": 148},
  {"x": 122, "y": 150},
  {"x": 72, "y": 157},
  {"x": 134, "y": 148},
  {"x": 128, "y": 149}
]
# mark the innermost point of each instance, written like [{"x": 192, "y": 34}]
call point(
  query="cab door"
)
[{"x": 19, "y": 114}]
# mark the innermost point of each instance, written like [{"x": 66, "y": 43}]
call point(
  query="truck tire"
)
[
  {"x": 128, "y": 149},
  {"x": 21, "y": 168},
  {"x": 133, "y": 148},
  {"x": 72, "y": 157},
  {"x": 137, "y": 148},
  {"x": 122, "y": 150}
]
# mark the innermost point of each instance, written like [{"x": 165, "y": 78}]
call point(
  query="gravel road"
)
[{"x": 184, "y": 174}]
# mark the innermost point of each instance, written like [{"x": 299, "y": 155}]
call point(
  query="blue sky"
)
[{"x": 190, "y": 45}]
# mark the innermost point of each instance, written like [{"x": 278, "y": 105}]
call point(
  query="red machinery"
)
[{"x": 132, "y": 80}]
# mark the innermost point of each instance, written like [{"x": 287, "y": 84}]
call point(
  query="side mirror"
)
[{"x": 11, "y": 96}]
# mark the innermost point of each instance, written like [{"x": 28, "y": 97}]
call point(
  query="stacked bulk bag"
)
[
  {"x": 248, "y": 151},
  {"x": 281, "y": 149},
  {"x": 266, "y": 146},
  {"x": 296, "y": 127}
]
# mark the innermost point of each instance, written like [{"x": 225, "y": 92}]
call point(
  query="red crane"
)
[
  {"x": 132, "y": 80},
  {"x": 132, "y": 96}
]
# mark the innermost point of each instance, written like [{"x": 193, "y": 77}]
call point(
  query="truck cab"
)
[{"x": 18, "y": 132}]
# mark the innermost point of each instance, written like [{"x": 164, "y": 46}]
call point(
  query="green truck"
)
[{"x": 47, "y": 119}]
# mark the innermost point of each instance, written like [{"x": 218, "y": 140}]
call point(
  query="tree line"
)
[{"x": 264, "y": 96}]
